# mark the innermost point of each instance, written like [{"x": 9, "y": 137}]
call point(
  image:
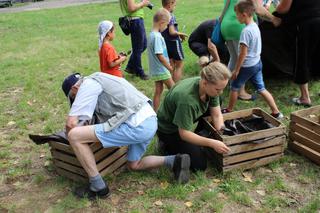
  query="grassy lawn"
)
[{"x": 38, "y": 49}]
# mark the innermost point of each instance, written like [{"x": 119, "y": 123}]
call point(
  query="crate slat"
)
[
  {"x": 70, "y": 175},
  {"x": 69, "y": 167},
  {"x": 305, "y": 151},
  {"x": 296, "y": 127},
  {"x": 305, "y": 141},
  {"x": 252, "y": 155},
  {"x": 306, "y": 123},
  {"x": 253, "y": 163},
  {"x": 104, "y": 163},
  {"x": 103, "y": 153},
  {"x": 252, "y": 146},
  {"x": 65, "y": 157},
  {"x": 121, "y": 162}
]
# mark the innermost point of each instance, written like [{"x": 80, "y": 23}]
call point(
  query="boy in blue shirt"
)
[
  {"x": 249, "y": 66},
  {"x": 173, "y": 41},
  {"x": 159, "y": 65}
]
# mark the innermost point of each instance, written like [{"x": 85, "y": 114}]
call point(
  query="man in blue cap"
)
[{"x": 125, "y": 118}]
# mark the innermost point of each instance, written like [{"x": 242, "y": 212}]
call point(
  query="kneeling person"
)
[{"x": 125, "y": 118}]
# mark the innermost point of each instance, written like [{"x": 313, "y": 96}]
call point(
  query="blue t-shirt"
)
[
  {"x": 166, "y": 35},
  {"x": 157, "y": 45},
  {"x": 251, "y": 37}
]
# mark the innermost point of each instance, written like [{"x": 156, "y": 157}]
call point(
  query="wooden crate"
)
[
  {"x": 304, "y": 133},
  {"x": 248, "y": 150},
  {"x": 66, "y": 163}
]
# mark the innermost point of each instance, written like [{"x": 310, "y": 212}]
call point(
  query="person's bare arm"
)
[
  {"x": 173, "y": 32},
  {"x": 217, "y": 117},
  {"x": 284, "y": 6},
  {"x": 132, "y": 6},
  {"x": 264, "y": 14},
  {"x": 213, "y": 50},
  {"x": 72, "y": 121},
  {"x": 242, "y": 55},
  {"x": 118, "y": 61},
  {"x": 195, "y": 139},
  {"x": 163, "y": 61}
]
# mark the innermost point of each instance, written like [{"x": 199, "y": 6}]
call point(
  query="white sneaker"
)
[{"x": 278, "y": 116}]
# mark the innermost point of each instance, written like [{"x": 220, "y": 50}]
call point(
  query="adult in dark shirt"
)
[
  {"x": 305, "y": 17},
  {"x": 201, "y": 45}
]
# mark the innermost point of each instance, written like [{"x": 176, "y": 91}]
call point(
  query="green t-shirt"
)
[
  {"x": 182, "y": 106},
  {"x": 125, "y": 12},
  {"x": 230, "y": 26}
]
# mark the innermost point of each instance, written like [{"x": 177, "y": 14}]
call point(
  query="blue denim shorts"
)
[
  {"x": 136, "y": 138},
  {"x": 252, "y": 74}
]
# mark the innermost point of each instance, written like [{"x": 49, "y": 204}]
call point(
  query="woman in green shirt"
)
[
  {"x": 183, "y": 105},
  {"x": 231, "y": 30}
]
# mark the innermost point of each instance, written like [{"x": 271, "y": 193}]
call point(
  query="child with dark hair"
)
[
  {"x": 248, "y": 66},
  {"x": 110, "y": 61}
]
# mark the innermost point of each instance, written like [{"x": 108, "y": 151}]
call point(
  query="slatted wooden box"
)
[
  {"x": 304, "y": 133},
  {"x": 251, "y": 149},
  {"x": 66, "y": 163}
]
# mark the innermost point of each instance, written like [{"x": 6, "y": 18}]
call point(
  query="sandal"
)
[
  {"x": 225, "y": 110},
  {"x": 298, "y": 102},
  {"x": 253, "y": 98}
]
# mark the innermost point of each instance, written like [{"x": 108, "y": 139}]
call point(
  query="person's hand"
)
[
  {"x": 145, "y": 2},
  {"x": 183, "y": 36},
  {"x": 220, "y": 147},
  {"x": 72, "y": 121},
  {"x": 122, "y": 58},
  {"x": 234, "y": 75},
  {"x": 276, "y": 21},
  {"x": 267, "y": 6}
]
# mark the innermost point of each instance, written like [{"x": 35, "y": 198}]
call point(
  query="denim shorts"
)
[
  {"x": 252, "y": 74},
  {"x": 136, "y": 138}
]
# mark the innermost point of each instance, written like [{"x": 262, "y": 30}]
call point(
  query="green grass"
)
[{"x": 39, "y": 48}]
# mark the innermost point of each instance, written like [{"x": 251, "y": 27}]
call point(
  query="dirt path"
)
[{"x": 50, "y": 4}]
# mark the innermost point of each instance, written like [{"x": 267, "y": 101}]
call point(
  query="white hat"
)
[{"x": 103, "y": 29}]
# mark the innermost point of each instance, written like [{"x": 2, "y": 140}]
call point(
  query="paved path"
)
[{"x": 50, "y": 4}]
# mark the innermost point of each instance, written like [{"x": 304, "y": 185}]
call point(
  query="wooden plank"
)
[
  {"x": 251, "y": 136},
  {"x": 295, "y": 127},
  {"x": 114, "y": 166},
  {"x": 104, "y": 163},
  {"x": 252, "y": 155},
  {"x": 236, "y": 149},
  {"x": 96, "y": 146},
  {"x": 315, "y": 110},
  {"x": 61, "y": 146},
  {"x": 103, "y": 153},
  {"x": 305, "y": 151},
  {"x": 269, "y": 118},
  {"x": 69, "y": 167},
  {"x": 238, "y": 114},
  {"x": 305, "y": 123},
  {"x": 65, "y": 157},
  {"x": 253, "y": 163},
  {"x": 71, "y": 175},
  {"x": 210, "y": 128},
  {"x": 305, "y": 141}
]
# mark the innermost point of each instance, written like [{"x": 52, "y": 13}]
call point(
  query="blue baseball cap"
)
[{"x": 69, "y": 82}]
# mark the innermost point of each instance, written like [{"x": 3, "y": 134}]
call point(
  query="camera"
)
[{"x": 150, "y": 6}]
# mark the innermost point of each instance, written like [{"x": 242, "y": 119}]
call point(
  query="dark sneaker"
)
[
  {"x": 130, "y": 71},
  {"x": 86, "y": 192},
  {"x": 277, "y": 116},
  {"x": 225, "y": 110},
  {"x": 144, "y": 77},
  {"x": 181, "y": 167}
]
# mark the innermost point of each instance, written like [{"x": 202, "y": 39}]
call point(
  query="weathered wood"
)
[
  {"x": 115, "y": 165},
  {"x": 295, "y": 127},
  {"x": 252, "y": 155},
  {"x": 305, "y": 123},
  {"x": 70, "y": 175},
  {"x": 305, "y": 141},
  {"x": 305, "y": 151},
  {"x": 106, "y": 162},
  {"x": 103, "y": 153},
  {"x": 69, "y": 167},
  {"x": 61, "y": 146},
  {"x": 304, "y": 113},
  {"x": 65, "y": 157},
  {"x": 236, "y": 149},
  {"x": 253, "y": 163},
  {"x": 238, "y": 114}
]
